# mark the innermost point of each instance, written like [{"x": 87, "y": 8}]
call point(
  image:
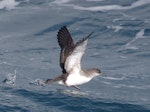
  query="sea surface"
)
[{"x": 29, "y": 54}]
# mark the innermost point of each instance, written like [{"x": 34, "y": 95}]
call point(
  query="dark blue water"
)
[
  {"x": 57, "y": 101},
  {"x": 29, "y": 53}
]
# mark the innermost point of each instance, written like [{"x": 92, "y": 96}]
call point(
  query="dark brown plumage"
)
[{"x": 66, "y": 44}]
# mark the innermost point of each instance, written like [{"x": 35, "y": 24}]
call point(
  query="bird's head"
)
[{"x": 97, "y": 72}]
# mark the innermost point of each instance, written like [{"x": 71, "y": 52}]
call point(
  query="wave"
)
[
  {"x": 60, "y": 1},
  {"x": 102, "y": 8},
  {"x": 114, "y": 78},
  {"x": 11, "y": 4},
  {"x": 132, "y": 86},
  {"x": 139, "y": 35},
  {"x": 8, "y": 4},
  {"x": 94, "y": 0},
  {"x": 116, "y": 28},
  {"x": 130, "y": 45},
  {"x": 52, "y": 100}
]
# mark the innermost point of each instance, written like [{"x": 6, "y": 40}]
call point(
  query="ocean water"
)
[{"x": 29, "y": 54}]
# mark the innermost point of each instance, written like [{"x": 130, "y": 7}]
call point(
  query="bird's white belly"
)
[{"x": 75, "y": 79}]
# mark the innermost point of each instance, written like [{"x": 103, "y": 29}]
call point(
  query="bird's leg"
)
[
  {"x": 76, "y": 87},
  {"x": 72, "y": 86}
]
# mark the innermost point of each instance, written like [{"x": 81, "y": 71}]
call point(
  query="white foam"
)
[
  {"x": 117, "y": 28},
  {"x": 94, "y": 0},
  {"x": 102, "y": 8},
  {"x": 130, "y": 44},
  {"x": 98, "y": 8},
  {"x": 115, "y": 7},
  {"x": 139, "y": 35},
  {"x": 106, "y": 82},
  {"x": 139, "y": 3},
  {"x": 74, "y": 92},
  {"x": 8, "y": 4},
  {"x": 132, "y": 47},
  {"x": 113, "y": 78},
  {"x": 59, "y": 2},
  {"x": 131, "y": 86}
]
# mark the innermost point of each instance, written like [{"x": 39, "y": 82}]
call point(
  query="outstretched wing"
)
[
  {"x": 72, "y": 63},
  {"x": 66, "y": 44}
]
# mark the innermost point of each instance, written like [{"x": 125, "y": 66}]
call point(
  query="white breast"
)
[{"x": 76, "y": 79}]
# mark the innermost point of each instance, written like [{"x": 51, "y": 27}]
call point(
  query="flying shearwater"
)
[{"x": 70, "y": 61}]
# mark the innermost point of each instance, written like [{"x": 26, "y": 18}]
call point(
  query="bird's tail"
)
[
  {"x": 49, "y": 81},
  {"x": 59, "y": 78}
]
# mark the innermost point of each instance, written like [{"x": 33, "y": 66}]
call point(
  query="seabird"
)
[{"x": 70, "y": 61}]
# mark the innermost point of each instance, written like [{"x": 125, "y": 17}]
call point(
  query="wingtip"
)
[
  {"x": 63, "y": 27},
  {"x": 64, "y": 38},
  {"x": 89, "y": 35}
]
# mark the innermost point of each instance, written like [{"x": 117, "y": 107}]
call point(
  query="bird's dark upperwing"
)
[{"x": 66, "y": 44}]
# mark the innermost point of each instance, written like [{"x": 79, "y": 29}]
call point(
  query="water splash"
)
[
  {"x": 38, "y": 82},
  {"x": 11, "y": 79}
]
